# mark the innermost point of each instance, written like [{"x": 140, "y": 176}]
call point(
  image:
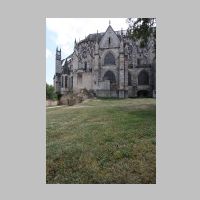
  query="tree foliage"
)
[
  {"x": 142, "y": 29},
  {"x": 50, "y": 92}
]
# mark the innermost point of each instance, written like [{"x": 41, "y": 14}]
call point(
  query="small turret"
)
[
  {"x": 121, "y": 47},
  {"x": 58, "y": 54},
  {"x": 58, "y": 60}
]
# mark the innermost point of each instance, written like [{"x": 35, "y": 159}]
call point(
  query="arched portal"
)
[
  {"x": 109, "y": 75},
  {"x": 143, "y": 93}
]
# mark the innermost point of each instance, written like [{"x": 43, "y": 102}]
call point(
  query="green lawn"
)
[{"x": 102, "y": 141}]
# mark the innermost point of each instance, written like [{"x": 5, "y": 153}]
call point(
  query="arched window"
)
[
  {"x": 66, "y": 81},
  {"x": 143, "y": 78},
  {"x": 109, "y": 59},
  {"x": 129, "y": 79},
  {"x": 109, "y": 76},
  {"x": 62, "y": 82}
]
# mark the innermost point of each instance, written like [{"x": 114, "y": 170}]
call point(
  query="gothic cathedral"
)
[{"x": 110, "y": 64}]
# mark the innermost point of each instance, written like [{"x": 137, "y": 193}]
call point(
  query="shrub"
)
[{"x": 50, "y": 92}]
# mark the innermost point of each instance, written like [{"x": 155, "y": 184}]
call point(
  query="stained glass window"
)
[{"x": 109, "y": 59}]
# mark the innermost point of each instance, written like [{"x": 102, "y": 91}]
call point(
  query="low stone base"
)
[
  {"x": 121, "y": 94},
  {"x": 112, "y": 93},
  {"x": 51, "y": 103}
]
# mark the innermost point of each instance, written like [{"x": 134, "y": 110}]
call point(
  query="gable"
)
[{"x": 110, "y": 39}]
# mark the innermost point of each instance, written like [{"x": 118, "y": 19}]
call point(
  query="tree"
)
[
  {"x": 142, "y": 29},
  {"x": 50, "y": 92}
]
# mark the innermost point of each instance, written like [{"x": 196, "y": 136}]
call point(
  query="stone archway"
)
[
  {"x": 143, "y": 93},
  {"x": 109, "y": 75}
]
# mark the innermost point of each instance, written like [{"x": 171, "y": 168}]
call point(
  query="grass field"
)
[{"x": 102, "y": 141}]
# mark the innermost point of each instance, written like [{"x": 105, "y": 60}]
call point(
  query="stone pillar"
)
[
  {"x": 121, "y": 75},
  {"x": 75, "y": 88},
  {"x": 126, "y": 76},
  {"x": 95, "y": 72},
  {"x": 134, "y": 84},
  {"x": 58, "y": 82},
  {"x": 64, "y": 82}
]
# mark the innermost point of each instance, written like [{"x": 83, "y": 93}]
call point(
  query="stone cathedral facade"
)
[{"x": 110, "y": 64}]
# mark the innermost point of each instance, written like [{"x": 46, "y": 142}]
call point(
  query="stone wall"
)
[
  {"x": 107, "y": 93},
  {"x": 104, "y": 85},
  {"x": 51, "y": 103}
]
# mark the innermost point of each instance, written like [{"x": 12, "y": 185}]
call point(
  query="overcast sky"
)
[{"x": 63, "y": 31}]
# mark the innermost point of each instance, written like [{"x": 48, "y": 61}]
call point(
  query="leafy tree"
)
[
  {"x": 142, "y": 29},
  {"x": 50, "y": 92},
  {"x": 59, "y": 95}
]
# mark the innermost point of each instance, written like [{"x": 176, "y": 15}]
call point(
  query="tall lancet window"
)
[
  {"x": 109, "y": 40},
  {"x": 66, "y": 81}
]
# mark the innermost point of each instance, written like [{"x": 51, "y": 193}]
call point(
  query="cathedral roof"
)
[
  {"x": 65, "y": 66},
  {"x": 98, "y": 36},
  {"x": 63, "y": 62}
]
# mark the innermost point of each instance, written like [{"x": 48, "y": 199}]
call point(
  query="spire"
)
[
  {"x": 58, "y": 53},
  {"x": 109, "y": 22},
  {"x": 58, "y": 48}
]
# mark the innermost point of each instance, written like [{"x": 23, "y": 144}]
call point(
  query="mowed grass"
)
[{"x": 102, "y": 141}]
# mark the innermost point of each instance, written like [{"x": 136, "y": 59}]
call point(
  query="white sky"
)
[{"x": 67, "y": 29}]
